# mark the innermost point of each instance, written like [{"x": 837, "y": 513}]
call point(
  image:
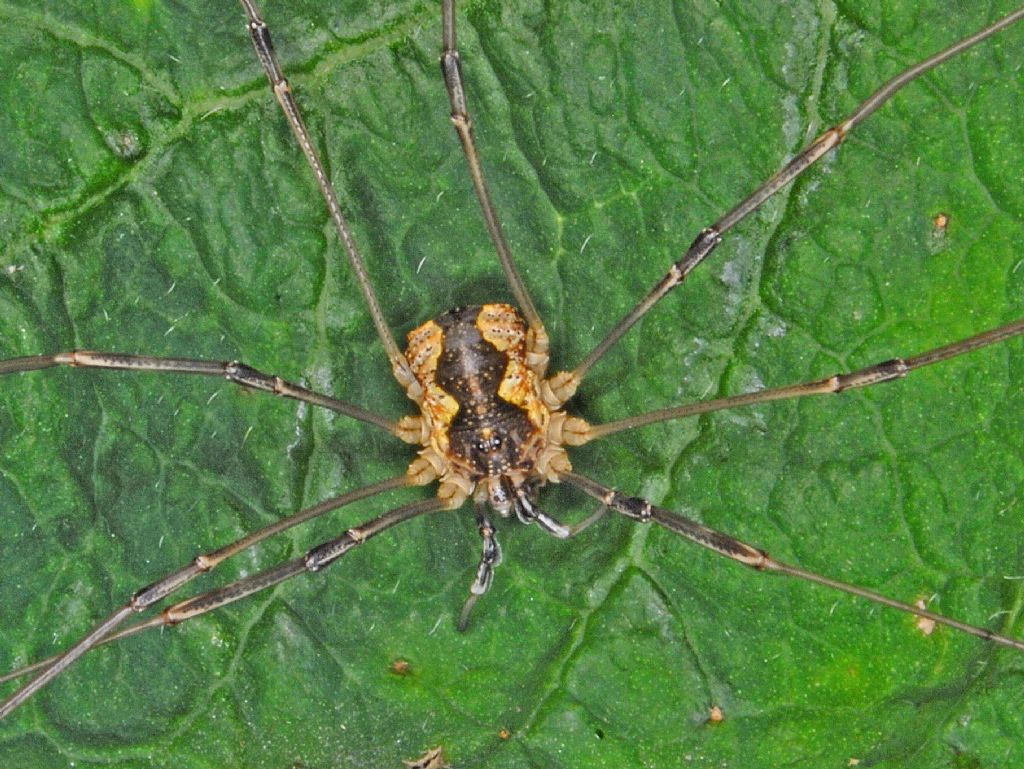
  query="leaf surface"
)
[{"x": 152, "y": 200}]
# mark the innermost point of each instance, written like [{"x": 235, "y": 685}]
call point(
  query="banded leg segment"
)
[
  {"x": 711, "y": 236},
  {"x": 313, "y": 560},
  {"x": 451, "y": 67},
  {"x": 886, "y": 371},
  {"x": 489, "y": 559},
  {"x": 165, "y": 586},
  {"x": 642, "y": 511},
  {"x": 261, "y": 41},
  {"x": 233, "y": 371}
]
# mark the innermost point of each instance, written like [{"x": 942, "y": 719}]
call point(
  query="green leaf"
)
[{"x": 152, "y": 200}]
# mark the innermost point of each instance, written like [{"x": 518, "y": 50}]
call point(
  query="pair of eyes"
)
[{"x": 489, "y": 445}]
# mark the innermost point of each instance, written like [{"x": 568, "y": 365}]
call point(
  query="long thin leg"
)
[
  {"x": 282, "y": 91},
  {"x": 317, "y": 558},
  {"x": 886, "y": 371},
  {"x": 163, "y": 587},
  {"x": 710, "y": 237},
  {"x": 452, "y": 69},
  {"x": 233, "y": 371},
  {"x": 643, "y": 511}
]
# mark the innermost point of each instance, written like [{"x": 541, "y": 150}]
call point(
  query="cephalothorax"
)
[
  {"x": 492, "y": 427},
  {"x": 489, "y": 419}
]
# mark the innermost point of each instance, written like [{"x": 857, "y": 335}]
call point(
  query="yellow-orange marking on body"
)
[
  {"x": 501, "y": 326},
  {"x": 423, "y": 352}
]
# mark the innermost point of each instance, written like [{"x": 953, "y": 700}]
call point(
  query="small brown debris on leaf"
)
[
  {"x": 715, "y": 715},
  {"x": 401, "y": 667}
]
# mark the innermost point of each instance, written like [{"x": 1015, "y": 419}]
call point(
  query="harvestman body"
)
[{"x": 491, "y": 427}]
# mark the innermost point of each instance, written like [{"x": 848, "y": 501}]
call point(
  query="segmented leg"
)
[
  {"x": 489, "y": 559},
  {"x": 452, "y": 69},
  {"x": 314, "y": 560},
  {"x": 711, "y": 236},
  {"x": 644, "y": 512},
  {"x": 886, "y": 371},
  {"x": 234, "y": 371},
  {"x": 201, "y": 564},
  {"x": 283, "y": 92}
]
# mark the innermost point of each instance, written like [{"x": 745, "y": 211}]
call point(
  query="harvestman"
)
[{"x": 491, "y": 427}]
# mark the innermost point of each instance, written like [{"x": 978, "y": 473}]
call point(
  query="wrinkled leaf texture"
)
[{"x": 153, "y": 201}]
